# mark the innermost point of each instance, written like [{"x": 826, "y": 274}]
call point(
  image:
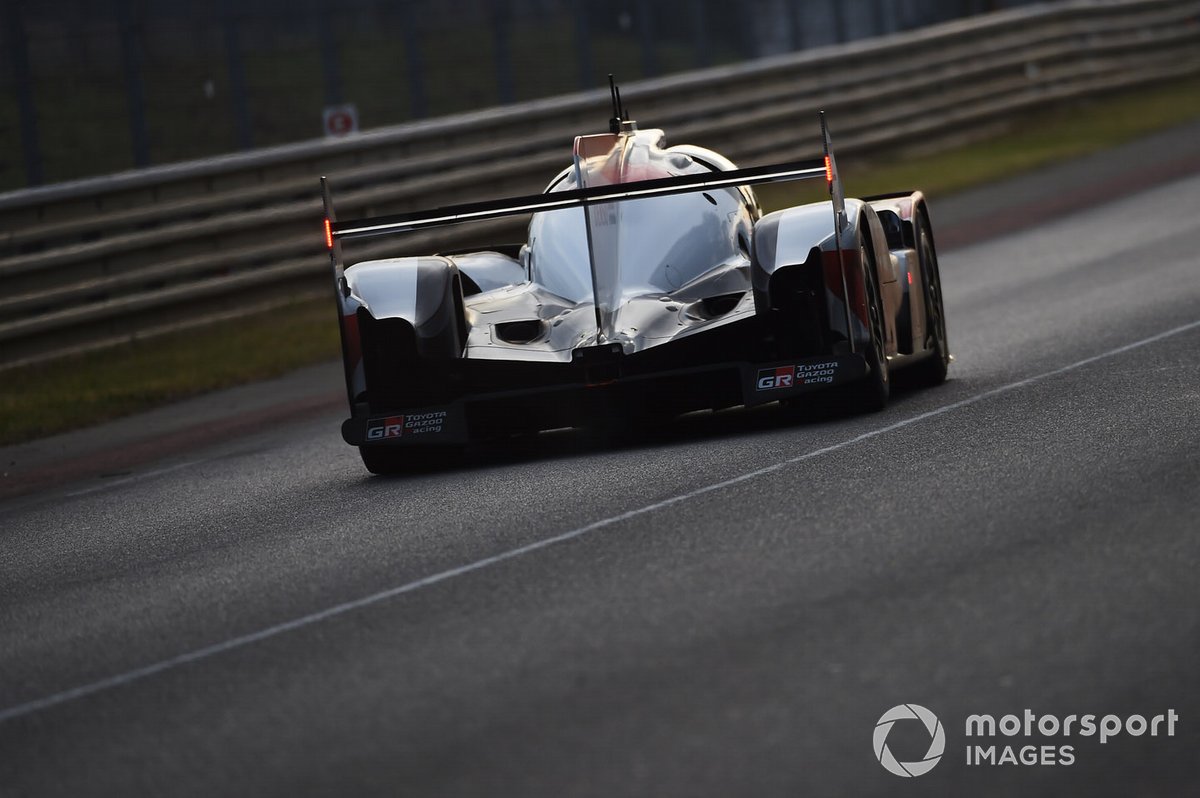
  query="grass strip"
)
[{"x": 60, "y": 395}]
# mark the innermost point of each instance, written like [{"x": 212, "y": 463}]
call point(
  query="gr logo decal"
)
[
  {"x": 782, "y": 377},
  {"x": 392, "y": 427}
]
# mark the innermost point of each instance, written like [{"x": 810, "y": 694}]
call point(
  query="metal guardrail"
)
[{"x": 96, "y": 262}]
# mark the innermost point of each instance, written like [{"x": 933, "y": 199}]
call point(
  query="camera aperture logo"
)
[{"x": 937, "y": 740}]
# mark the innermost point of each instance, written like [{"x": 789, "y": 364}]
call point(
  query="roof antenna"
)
[{"x": 614, "y": 123}]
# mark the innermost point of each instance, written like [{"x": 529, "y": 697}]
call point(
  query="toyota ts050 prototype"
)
[{"x": 651, "y": 284}]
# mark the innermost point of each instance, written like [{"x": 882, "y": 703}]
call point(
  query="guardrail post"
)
[
  {"x": 839, "y": 21},
  {"x": 645, "y": 25},
  {"x": 881, "y": 18},
  {"x": 583, "y": 43},
  {"x": 23, "y": 83},
  {"x": 418, "y": 107},
  {"x": 135, "y": 90},
  {"x": 239, "y": 103},
  {"x": 795, "y": 26},
  {"x": 501, "y": 20},
  {"x": 700, "y": 33},
  {"x": 330, "y": 65}
]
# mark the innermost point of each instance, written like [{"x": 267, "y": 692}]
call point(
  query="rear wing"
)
[
  {"x": 574, "y": 198},
  {"x": 336, "y": 231}
]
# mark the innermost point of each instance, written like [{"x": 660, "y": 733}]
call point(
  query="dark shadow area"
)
[{"x": 626, "y": 434}]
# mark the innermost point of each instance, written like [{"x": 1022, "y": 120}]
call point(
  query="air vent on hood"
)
[
  {"x": 520, "y": 332},
  {"x": 714, "y": 306}
]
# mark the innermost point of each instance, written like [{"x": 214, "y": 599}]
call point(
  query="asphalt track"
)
[{"x": 726, "y": 609}]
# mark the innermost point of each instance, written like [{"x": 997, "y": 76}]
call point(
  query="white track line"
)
[
  {"x": 112, "y": 483},
  {"x": 366, "y": 601}
]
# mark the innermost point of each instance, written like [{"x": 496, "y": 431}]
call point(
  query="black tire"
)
[
  {"x": 384, "y": 460},
  {"x": 932, "y": 370},
  {"x": 391, "y": 460},
  {"x": 871, "y": 393}
]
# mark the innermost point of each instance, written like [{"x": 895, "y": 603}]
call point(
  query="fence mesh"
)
[{"x": 99, "y": 86}]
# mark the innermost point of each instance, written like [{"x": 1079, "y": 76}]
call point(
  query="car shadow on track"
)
[{"x": 628, "y": 435}]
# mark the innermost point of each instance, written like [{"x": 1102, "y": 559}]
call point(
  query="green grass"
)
[
  {"x": 1037, "y": 138},
  {"x": 41, "y": 400}
]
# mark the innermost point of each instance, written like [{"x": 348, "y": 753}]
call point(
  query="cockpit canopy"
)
[{"x": 639, "y": 248}]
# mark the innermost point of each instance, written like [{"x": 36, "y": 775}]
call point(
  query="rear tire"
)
[
  {"x": 932, "y": 370},
  {"x": 391, "y": 460},
  {"x": 871, "y": 393},
  {"x": 383, "y": 461}
]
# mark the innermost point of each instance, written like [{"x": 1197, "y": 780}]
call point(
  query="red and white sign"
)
[{"x": 340, "y": 120}]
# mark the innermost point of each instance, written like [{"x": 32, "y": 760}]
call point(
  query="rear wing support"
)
[
  {"x": 837, "y": 198},
  {"x": 347, "y": 321}
]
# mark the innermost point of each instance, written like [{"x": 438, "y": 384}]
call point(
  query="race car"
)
[{"x": 651, "y": 284}]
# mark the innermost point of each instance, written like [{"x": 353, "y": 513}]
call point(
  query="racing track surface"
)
[{"x": 728, "y": 608}]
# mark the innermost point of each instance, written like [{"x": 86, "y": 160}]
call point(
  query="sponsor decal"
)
[
  {"x": 403, "y": 426},
  {"x": 793, "y": 376}
]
